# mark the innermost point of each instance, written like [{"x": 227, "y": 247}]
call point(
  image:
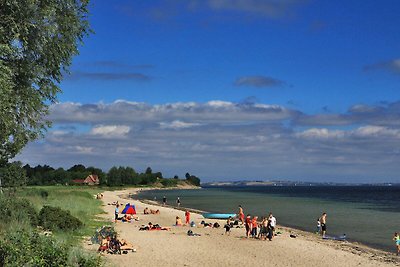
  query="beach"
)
[{"x": 214, "y": 248}]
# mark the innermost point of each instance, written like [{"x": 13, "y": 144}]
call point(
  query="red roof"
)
[{"x": 92, "y": 179}]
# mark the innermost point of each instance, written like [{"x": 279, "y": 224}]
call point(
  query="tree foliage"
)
[
  {"x": 12, "y": 175},
  {"x": 37, "y": 42}
]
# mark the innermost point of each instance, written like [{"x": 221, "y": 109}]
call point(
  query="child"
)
[
  {"x": 254, "y": 225},
  {"x": 396, "y": 239},
  {"x": 116, "y": 212},
  {"x": 228, "y": 226},
  {"x": 187, "y": 216},
  {"x": 318, "y": 226}
]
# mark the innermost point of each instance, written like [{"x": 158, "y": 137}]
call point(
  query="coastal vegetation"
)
[
  {"x": 116, "y": 176},
  {"x": 42, "y": 226}
]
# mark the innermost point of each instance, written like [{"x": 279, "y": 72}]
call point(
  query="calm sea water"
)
[{"x": 367, "y": 214}]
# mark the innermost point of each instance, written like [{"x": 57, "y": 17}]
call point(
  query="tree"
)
[
  {"x": 176, "y": 177},
  {"x": 78, "y": 168},
  {"x": 37, "y": 42},
  {"x": 12, "y": 176},
  {"x": 187, "y": 175},
  {"x": 149, "y": 170}
]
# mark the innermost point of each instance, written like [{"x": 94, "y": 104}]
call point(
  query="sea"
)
[{"x": 366, "y": 214}]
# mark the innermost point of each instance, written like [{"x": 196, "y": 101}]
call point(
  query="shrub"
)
[
  {"x": 17, "y": 210},
  {"x": 23, "y": 248},
  {"x": 27, "y": 248},
  {"x": 44, "y": 194},
  {"x": 54, "y": 218},
  {"x": 169, "y": 182}
]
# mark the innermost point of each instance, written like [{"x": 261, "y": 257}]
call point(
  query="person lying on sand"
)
[
  {"x": 154, "y": 211},
  {"x": 125, "y": 245},
  {"x": 151, "y": 227}
]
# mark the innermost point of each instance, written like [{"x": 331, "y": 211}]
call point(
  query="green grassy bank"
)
[{"x": 20, "y": 236}]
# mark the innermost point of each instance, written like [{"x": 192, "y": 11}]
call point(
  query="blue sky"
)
[{"x": 234, "y": 89}]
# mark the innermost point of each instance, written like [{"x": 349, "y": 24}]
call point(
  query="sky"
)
[{"x": 300, "y": 90}]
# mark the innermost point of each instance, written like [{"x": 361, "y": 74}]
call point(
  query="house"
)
[{"x": 92, "y": 179}]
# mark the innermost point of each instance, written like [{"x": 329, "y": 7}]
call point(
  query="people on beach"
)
[
  {"x": 178, "y": 221},
  {"x": 228, "y": 226},
  {"x": 154, "y": 211},
  {"x": 241, "y": 214},
  {"x": 271, "y": 226},
  {"x": 187, "y": 217},
  {"x": 318, "y": 226},
  {"x": 178, "y": 202},
  {"x": 322, "y": 219},
  {"x": 146, "y": 211},
  {"x": 254, "y": 226},
  {"x": 248, "y": 225},
  {"x": 116, "y": 212},
  {"x": 264, "y": 229},
  {"x": 396, "y": 238},
  {"x": 164, "y": 200}
]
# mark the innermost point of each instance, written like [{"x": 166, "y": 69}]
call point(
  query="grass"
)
[{"x": 79, "y": 201}]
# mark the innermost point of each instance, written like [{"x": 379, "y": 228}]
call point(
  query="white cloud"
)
[
  {"x": 376, "y": 131},
  {"x": 177, "y": 125},
  {"x": 110, "y": 131},
  {"x": 321, "y": 133}
]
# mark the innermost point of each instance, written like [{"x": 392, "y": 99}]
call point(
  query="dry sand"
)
[{"x": 214, "y": 248}]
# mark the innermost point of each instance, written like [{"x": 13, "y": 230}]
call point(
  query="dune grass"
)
[{"x": 80, "y": 201}]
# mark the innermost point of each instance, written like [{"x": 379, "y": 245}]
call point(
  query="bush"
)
[
  {"x": 17, "y": 210},
  {"x": 54, "y": 218},
  {"x": 169, "y": 182},
  {"x": 44, "y": 194},
  {"x": 27, "y": 248}
]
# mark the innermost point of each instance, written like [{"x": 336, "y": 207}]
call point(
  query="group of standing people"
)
[{"x": 262, "y": 230}]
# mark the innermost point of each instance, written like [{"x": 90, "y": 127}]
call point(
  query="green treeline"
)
[{"x": 116, "y": 176}]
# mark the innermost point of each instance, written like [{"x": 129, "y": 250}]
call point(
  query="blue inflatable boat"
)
[{"x": 218, "y": 215}]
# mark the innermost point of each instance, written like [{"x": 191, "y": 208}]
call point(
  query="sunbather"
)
[
  {"x": 155, "y": 211},
  {"x": 125, "y": 245}
]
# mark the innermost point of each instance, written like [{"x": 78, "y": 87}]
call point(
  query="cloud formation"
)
[
  {"x": 392, "y": 66},
  {"x": 107, "y": 76},
  {"x": 258, "y": 81},
  {"x": 271, "y": 9},
  {"x": 224, "y": 140}
]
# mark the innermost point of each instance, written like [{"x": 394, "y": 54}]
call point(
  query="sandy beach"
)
[{"x": 214, "y": 248}]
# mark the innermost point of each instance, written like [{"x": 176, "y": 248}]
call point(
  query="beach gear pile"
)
[{"x": 102, "y": 233}]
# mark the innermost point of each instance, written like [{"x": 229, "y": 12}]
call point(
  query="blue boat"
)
[{"x": 218, "y": 215}]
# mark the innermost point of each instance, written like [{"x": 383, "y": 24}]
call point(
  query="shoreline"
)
[
  {"x": 348, "y": 244},
  {"x": 305, "y": 249},
  {"x": 358, "y": 242}
]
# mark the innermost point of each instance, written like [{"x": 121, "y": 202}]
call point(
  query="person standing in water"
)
[
  {"x": 164, "y": 201},
  {"x": 396, "y": 239},
  {"x": 322, "y": 220},
  {"x": 178, "y": 202}
]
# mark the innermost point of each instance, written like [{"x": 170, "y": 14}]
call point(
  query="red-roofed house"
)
[{"x": 92, "y": 179}]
